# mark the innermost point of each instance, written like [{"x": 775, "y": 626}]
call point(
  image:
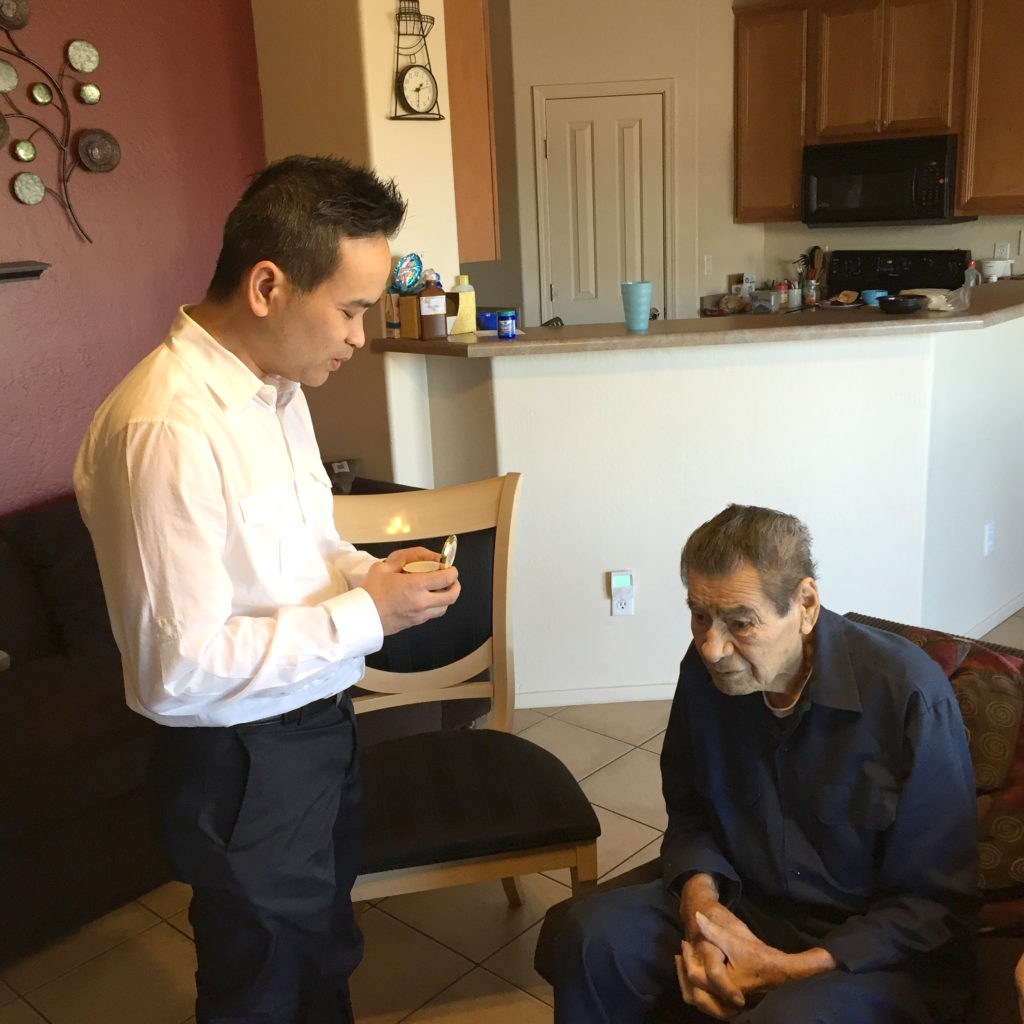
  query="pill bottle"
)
[{"x": 507, "y": 324}]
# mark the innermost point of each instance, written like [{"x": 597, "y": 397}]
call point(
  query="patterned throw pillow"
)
[{"x": 990, "y": 690}]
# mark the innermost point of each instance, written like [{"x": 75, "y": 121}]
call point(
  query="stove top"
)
[{"x": 896, "y": 269}]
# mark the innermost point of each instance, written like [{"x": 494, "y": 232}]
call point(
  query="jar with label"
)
[
  {"x": 433, "y": 311},
  {"x": 812, "y": 291},
  {"x": 507, "y": 324}
]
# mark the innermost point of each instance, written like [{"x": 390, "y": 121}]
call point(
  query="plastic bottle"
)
[
  {"x": 433, "y": 310},
  {"x": 972, "y": 275},
  {"x": 812, "y": 293},
  {"x": 465, "y": 316}
]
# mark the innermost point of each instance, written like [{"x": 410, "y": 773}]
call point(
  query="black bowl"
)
[{"x": 900, "y": 303}]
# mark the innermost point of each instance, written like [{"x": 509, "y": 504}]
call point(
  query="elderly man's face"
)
[{"x": 741, "y": 638}]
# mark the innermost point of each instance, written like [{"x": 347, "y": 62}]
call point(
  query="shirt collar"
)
[
  {"x": 224, "y": 373},
  {"x": 833, "y": 683}
]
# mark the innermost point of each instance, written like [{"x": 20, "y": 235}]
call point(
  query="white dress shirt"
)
[{"x": 230, "y": 595}]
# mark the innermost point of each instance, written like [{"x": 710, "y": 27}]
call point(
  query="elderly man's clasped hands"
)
[{"x": 722, "y": 965}]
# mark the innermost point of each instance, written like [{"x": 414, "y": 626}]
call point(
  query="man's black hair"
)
[{"x": 295, "y": 212}]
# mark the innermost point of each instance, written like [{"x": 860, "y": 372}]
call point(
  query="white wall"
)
[
  {"x": 326, "y": 76},
  {"x": 976, "y": 476},
  {"x": 689, "y": 41},
  {"x": 892, "y": 450},
  {"x": 625, "y": 453}
]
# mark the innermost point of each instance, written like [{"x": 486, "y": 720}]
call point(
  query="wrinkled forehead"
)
[{"x": 738, "y": 592}]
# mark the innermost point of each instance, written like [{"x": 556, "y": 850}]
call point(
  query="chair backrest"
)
[{"x": 467, "y": 652}]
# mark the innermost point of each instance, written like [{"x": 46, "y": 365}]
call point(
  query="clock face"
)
[{"x": 417, "y": 89}]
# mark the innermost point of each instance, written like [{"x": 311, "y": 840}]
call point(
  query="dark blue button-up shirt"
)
[{"x": 853, "y": 820}]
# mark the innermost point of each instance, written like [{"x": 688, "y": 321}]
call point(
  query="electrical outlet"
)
[
  {"x": 707, "y": 266},
  {"x": 622, "y": 591},
  {"x": 1002, "y": 251},
  {"x": 990, "y": 539}
]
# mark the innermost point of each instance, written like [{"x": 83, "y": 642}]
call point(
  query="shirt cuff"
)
[{"x": 357, "y": 625}]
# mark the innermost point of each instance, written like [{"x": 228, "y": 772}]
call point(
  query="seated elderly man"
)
[{"x": 820, "y": 864}]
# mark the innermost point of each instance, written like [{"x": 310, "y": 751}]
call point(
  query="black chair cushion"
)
[{"x": 450, "y": 795}]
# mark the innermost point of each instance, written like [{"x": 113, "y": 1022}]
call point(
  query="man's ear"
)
[
  {"x": 265, "y": 282},
  {"x": 809, "y": 603}
]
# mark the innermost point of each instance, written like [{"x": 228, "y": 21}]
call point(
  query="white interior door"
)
[{"x": 605, "y": 208}]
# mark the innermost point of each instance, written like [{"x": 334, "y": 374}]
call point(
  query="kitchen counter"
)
[
  {"x": 895, "y": 438},
  {"x": 991, "y": 304}
]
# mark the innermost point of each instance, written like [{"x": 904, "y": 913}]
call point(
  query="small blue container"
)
[{"x": 507, "y": 324}]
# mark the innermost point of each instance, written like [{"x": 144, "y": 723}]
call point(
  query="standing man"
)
[
  {"x": 241, "y": 617},
  {"x": 820, "y": 861}
]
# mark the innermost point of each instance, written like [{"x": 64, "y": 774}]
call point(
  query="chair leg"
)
[
  {"x": 512, "y": 891},
  {"x": 584, "y": 875}
]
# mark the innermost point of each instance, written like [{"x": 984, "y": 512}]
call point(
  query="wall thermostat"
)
[{"x": 622, "y": 591}]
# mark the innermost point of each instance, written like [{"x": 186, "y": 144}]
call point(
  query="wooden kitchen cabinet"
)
[
  {"x": 992, "y": 151},
  {"x": 771, "y": 86},
  {"x": 470, "y": 95},
  {"x": 887, "y": 67}
]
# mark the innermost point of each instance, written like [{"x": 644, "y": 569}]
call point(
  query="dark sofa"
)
[{"x": 75, "y": 835}]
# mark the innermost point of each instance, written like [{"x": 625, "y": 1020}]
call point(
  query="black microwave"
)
[{"x": 884, "y": 181}]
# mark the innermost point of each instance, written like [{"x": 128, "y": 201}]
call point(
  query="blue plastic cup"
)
[
  {"x": 636, "y": 303},
  {"x": 872, "y": 295}
]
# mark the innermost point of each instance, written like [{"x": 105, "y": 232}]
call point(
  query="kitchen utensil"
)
[
  {"x": 900, "y": 303},
  {"x": 451, "y": 545}
]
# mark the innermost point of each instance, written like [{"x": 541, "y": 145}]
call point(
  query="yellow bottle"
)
[{"x": 465, "y": 315}]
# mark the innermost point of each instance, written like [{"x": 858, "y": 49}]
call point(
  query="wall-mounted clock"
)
[
  {"x": 415, "y": 85},
  {"x": 416, "y": 89}
]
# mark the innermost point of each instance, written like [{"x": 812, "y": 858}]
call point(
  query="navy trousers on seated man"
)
[
  {"x": 246, "y": 814},
  {"x": 625, "y": 940}
]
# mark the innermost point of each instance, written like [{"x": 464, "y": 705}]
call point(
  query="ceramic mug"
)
[{"x": 872, "y": 295}]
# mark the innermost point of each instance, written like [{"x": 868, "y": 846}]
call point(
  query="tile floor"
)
[{"x": 459, "y": 955}]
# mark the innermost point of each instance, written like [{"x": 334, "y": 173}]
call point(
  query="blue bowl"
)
[{"x": 489, "y": 321}]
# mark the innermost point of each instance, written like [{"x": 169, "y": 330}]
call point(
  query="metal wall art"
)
[{"x": 94, "y": 149}]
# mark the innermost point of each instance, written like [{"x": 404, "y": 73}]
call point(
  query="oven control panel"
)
[{"x": 896, "y": 269}]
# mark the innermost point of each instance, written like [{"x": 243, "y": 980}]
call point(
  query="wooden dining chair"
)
[{"x": 452, "y": 806}]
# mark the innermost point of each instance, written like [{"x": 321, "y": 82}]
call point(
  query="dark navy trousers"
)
[
  {"x": 265, "y": 822},
  {"x": 614, "y": 964}
]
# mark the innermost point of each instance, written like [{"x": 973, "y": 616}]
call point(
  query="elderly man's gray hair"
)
[{"x": 776, "y": 544}]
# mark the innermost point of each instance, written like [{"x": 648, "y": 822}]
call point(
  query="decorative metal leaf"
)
[
  {"x": 82, "y": 55},
  {"x": 89, "y": 93},
  {"x": 14, "y": 14},
  {"x": 8, "y": 77},
  {"x": 40, "y": 93},
  {"x": 25, "y": 151},
  {"x": 29, "y": 188},
  {"x": 98, "y": 150}
]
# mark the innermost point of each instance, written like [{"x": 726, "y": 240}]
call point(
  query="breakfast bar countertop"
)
[{"x": 990, "y": 304}]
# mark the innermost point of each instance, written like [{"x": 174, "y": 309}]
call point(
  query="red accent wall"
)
[{"x": 180, "y": 94}]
